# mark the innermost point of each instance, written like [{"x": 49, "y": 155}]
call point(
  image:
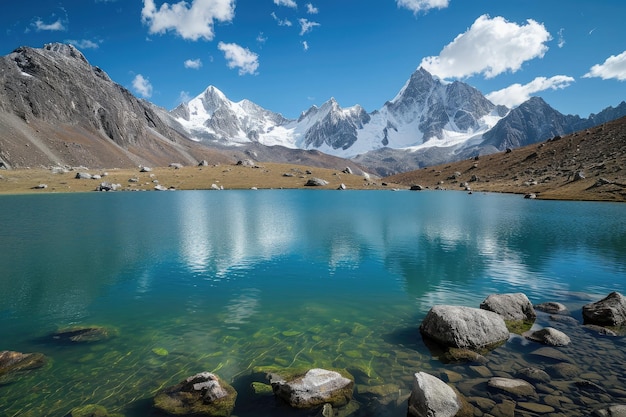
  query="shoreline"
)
[{"x": 263, "y": 176}]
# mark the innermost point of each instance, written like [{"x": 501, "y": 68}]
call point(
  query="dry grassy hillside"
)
[
  {"x": 587, "y": 165},
  {"x": 228, "y": 176}
]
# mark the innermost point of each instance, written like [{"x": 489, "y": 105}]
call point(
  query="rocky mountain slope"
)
[
  {"x": 58, "y": 109},
  {"x": 586, "y": 165}
]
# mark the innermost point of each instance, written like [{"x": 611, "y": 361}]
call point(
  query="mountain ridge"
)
[{"x": 70, "y": 112}]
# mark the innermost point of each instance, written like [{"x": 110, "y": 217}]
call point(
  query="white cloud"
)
[
  {"x": 83, "y": 43},
  {"x": 193, "y": 63},
  {"x": 613, "y": 67},
  {"x": 288, "y": 3},
  {"x": 489, "y": 47},
  {"x": 261, "y": 38},
  {"x": 310, "y": 9},
  {"x": 142, "y": 86},
  {"x": 561, "y": 38},
  {"x": 417, "y": 6},
  {"x": 281, "y": 22},
  {"x": 306, "y": 26},
  {"x": 239, "y": 57},
  {"x": 58, "y": 25},
  {"x": 516, "y": 94},
  {"x": 305, "y": 45},
  {"x": 193, "y": 21}
]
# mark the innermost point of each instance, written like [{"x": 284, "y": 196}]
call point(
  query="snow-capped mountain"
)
[
  {"x": 426, "y": 112},
  {"x": 212, "y": 116},
  {"x": 429, "y": 121}
]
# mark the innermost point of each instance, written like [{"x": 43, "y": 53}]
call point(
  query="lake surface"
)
[{"x": 230, "y": 281}]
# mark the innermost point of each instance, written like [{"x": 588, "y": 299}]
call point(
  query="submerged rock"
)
[
  {"x": 11, "y": 361},
  {"x": 88, "y": 334},
  {"x": 315, "y": 388},
  {"x": 203, "y": 394},
  {"x": 91, "y": 410},
  {"x": 517, "y": 387},
  {"x": 551, "y": 307},
  {"x": 610, "y": 311},
  {"x": 464, "y": 327},
  {"x": 432, "y": 397}
]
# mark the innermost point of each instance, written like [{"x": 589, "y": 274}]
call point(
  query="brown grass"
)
[{"x": 263, "y": 176}]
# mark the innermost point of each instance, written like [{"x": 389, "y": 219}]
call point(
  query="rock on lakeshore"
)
[
  {"x": 610, "y": 311},
  {"x": 315, "y": 388},
  {"x": 432, "y": 397},
  {"x": 464, "y": 327},
  {"x": 512, "y": 307},
  {"x": 548, "y": 336},
  {"x": 203, "y": 394}
]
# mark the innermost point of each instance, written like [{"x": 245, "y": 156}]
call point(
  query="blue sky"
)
[{"x": 287, "y": 55}]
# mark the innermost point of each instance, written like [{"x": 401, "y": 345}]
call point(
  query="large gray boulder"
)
[
  {"x": 203, "y": 394},
  {"x": 316, "y": 387},
  {"x": 610, "y": 311},
  {"x": 512, "y": 307},
  {"x": 316, "y": 182},
  {"x": 432, "y": 397},
  {"x": 464, "y": 327}
]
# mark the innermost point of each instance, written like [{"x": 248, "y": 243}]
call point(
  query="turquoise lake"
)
[{"x": 233, "y": 281}]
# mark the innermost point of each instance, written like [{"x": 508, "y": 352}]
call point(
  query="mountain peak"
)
[{"x": 65, "y": 49}]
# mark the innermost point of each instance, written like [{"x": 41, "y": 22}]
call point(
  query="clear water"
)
[{"x": 235, "y": 280}]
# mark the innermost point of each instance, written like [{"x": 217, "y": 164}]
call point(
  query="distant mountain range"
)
[{"x": 430, "y": 121}]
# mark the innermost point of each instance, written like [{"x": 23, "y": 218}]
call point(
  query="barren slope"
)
[{"x": 586, "y": 165}]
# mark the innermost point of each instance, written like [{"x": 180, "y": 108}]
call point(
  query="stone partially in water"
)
[
  {"x": 548, "y": 336},
  {"x": 464, "y": 327},
  {"x": 512, "y": 307},
  {"x": 432, "y": 397},
  {"x": 316, "y": 387},
  {"x": 203, "y": 394},
  {"x": 610, "y": 311},
  {"x": 11, "y": 361}
]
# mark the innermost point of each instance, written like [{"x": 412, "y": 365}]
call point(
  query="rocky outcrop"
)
[
  {"x": 610, "y": 311},
  {"x": 512, "y": 307},
  {"x": 464, "y": 327},
  {"x": 431, "y": 396},
  {"x": 11, "y": 361},
  {"x": 316, "y": 387},
  {"x": 203, "y": 394}
]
